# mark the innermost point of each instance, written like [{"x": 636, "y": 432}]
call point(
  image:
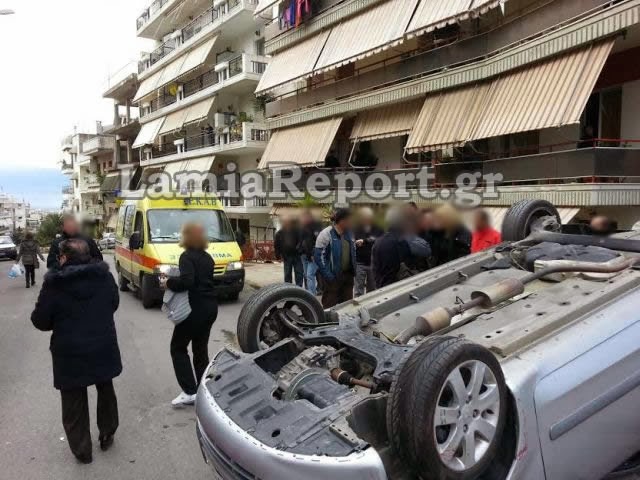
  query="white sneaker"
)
[{"x": 182, "y": 400}]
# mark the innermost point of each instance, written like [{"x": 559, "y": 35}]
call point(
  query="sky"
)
[{"x": 55, "y": 59}]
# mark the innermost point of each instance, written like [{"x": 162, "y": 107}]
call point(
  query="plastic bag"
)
[{"x": 16, "y": 271}]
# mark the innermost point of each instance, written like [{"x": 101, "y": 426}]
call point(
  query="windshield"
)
[
  {"x": 165, "y": 225},
  {"x": 5, "y": 240}
]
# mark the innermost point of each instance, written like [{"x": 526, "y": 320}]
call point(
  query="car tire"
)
[
  {"x": 521, "y": 217},
  {"x": 123, "y": 283},
  {"x": 148, "y": 291},
  {"x": 401, "y": 391},
  {"x": 262, "y": 307},
  {"x": 455, "y": 362}
]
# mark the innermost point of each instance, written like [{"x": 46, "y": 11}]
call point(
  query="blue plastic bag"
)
[{"x": 16, "y": 271}]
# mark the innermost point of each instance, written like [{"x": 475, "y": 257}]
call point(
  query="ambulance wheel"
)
[{"x": 148, "y": 291}]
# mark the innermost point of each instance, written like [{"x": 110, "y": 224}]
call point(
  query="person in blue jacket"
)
[{"x": 335, "y": 256}]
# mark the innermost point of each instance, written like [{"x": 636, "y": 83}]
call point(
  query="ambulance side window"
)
[
  {"x": 139, "y": 225},
  {"x": 120, "y": 227},
  {"x": 128, "y": 221}
]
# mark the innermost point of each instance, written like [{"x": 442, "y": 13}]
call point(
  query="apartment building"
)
[
  {"x": 196, "y": 98},
  {"x": 13, "y": 213},
  {"x": 545, "y": 93}
]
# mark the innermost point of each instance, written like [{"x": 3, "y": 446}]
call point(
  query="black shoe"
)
[
  {"x": 106, "y": 442},
  {"x": 33, "y": 284},
  {"x": 28, "y": 285},
  {"x": 86, "y": 459}
]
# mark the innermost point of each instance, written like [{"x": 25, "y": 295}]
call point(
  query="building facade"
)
[
  {"x": 198, "y": 112},
  {"x": 546, "y": 94},
  {"x": 13, "y": 213}
]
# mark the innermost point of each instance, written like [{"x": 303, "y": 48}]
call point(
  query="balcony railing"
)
[
  {"x": 243, "y": 63},
  {"x": 98, "y": 143},
  {"x": 67, "y": 190},
  {"x": 193, "y": 28},
  {"x": 150, "y": 12},
  {"x": 230, "y": 201},
  {"x": 93, "y": 212},
  {"x": 91, "y": 181}
]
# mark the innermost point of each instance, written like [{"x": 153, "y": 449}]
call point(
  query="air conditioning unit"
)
[{"x": 219, "y": 120}]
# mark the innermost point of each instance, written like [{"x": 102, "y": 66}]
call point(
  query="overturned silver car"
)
[{"x": 521, "y": 362}]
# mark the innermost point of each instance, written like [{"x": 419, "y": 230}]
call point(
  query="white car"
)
[
  {"x": 521, "y": 362},
  {"x": 7, "y": 248}
]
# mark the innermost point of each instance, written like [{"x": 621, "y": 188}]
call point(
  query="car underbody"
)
[{"x": 334, "y": 388}]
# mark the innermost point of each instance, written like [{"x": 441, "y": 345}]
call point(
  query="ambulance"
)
[{"x": 147, "y": 243}]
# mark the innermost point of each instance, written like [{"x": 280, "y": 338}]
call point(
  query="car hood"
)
[{"x": 6, "y": 246}]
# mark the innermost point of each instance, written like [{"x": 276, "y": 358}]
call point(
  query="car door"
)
[
  {"x": 137, "y": 253},
  {"x": 587, "y": 408}
]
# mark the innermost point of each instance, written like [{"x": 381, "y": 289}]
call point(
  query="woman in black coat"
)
[
  {"x": 77, "y": 304},
  {"x": 196, "y": 277}
]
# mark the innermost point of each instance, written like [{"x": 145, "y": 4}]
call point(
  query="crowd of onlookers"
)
[{"x": 360, "y": 252}]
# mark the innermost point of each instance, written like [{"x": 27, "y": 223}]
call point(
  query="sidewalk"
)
[{"x": 258, "y": 275}]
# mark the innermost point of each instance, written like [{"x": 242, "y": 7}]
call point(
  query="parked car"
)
[
  {"x": 521, "y": 362},
  {"x": 8, "y": 249},
  {"x": 107, "y": 242}
]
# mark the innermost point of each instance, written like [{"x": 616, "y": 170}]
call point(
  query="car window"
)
[
  {"x": 128, "y": 220},
  {"x": 5, "y": 240}
]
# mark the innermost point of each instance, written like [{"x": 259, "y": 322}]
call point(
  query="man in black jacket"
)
[
  {"x": 309, "y": 232},
  {"x": 286, "y": 246},
  {"x": 70, "y": 229},
  {"x": 366, "y": 233},
  {"x": 76, "y": 304}
]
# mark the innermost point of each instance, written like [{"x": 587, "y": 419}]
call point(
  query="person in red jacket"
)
[{"x": 484, "y": 236}]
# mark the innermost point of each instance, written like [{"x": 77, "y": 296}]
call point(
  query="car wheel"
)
[
  {"x": 401, "y": 391},
  {"x": 148, "y": 290},
  {"x": 263, "y": 319},
  {"x": 457, "y": 404},
  {"x": 523, "y": 216},
  {"x": 123, "y": 283}
]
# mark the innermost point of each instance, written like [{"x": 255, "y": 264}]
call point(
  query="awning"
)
[
  {"x": 433, "y": 14},
  {"x": 381, "y": 27},
  {"x": 264, "y": 5},
  {"x": 448, "y": 118},
  {"x": 306, "y": 144},
  {"x": 175, "y": 121},
  {"x": 294, "y": 63},
  {"x": 111, "y": 183},
  {"x": 148, "y": 133},
  {"x": 497, "y": 215},
  {"x": 549, "y": 94},
  {"x": 390, "y": 121},
  {"x": 146, "y": 173},
  {"x": 175, "y": 69},
  {"x": 200, "y": 165}
]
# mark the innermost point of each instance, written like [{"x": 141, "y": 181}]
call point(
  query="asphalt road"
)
[{"x": 154, "y": 441}]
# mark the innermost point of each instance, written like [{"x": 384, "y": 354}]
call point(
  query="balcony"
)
[
  {"x": 66, "y": 167},
  {"x": 98, "y": 145},
  {"x": 238, "y": 204},
  {"x": 208, "y": 20},
  {"x": 93, "y": 213},
  {"x": 68, "y": 190},
  {"x": 91, "y": 182},
  {"x": 240, "y": 75},
  {"x": 150, "y": 12}
]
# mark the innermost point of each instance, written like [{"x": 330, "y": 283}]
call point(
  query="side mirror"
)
[{"x": 135, "y": 241}]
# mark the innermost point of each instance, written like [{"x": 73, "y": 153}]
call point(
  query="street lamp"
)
[{"x": 7, "y": 11}]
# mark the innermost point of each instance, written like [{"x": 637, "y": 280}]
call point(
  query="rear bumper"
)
[{"x": 235, "y": 455}]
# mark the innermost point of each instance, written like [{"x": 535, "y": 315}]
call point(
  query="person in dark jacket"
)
[
  {"x": 196, "y": 277},
  {"x": 310, "y": 229},
  {"x": 286, "y": 245},
  {"x": 391, "y": 252},
  {"x": 366, "y": 233},
  {"x": 335, "y": 255},
  {"x": 451, "y": 239},
  {"x": 70, "y": 229},
  {"x": 29, "y": 252},
  {"x": 76, "y": 304}
]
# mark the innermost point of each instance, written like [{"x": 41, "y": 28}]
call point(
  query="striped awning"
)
[
  {"x": 111, "y": 183},
  {"x": 448, "y": 118},
  {"x": 433, "y": 14},
  {"x": 175, "y": 69},
  {"x": 292, "y": 64},
  {"x": 175, "y": 121},
  {"x": 306, "y": 144},
  {"x": 390, "y": 121},
  {"x": 548, "y": 94},
  {"x": 148, "y": 133},
  {"x": 371, "y": 32}
]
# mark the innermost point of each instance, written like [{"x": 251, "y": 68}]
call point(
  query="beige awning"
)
[
  {"x": 306, "y": 144},
  {"x": 148, "y": 133},
  {"x": 390, "y": 121},
  {"x": 173, "y": 122},
  {"x": 448, "y": 118},
  {"x": 497, "y": 215},
  {"x": 371, "y": 32},
  {"x": 294, "y": 63},
  {"x": 175, "y": 69},
  {"x": 202, "y": 165},
  {"x": 549, "y": 94},
  {"x": 433, "y": 14},
  {"x": 194, "y": 113}
]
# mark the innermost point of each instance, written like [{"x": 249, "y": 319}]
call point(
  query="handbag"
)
[{"x": 176, "y": 305}]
